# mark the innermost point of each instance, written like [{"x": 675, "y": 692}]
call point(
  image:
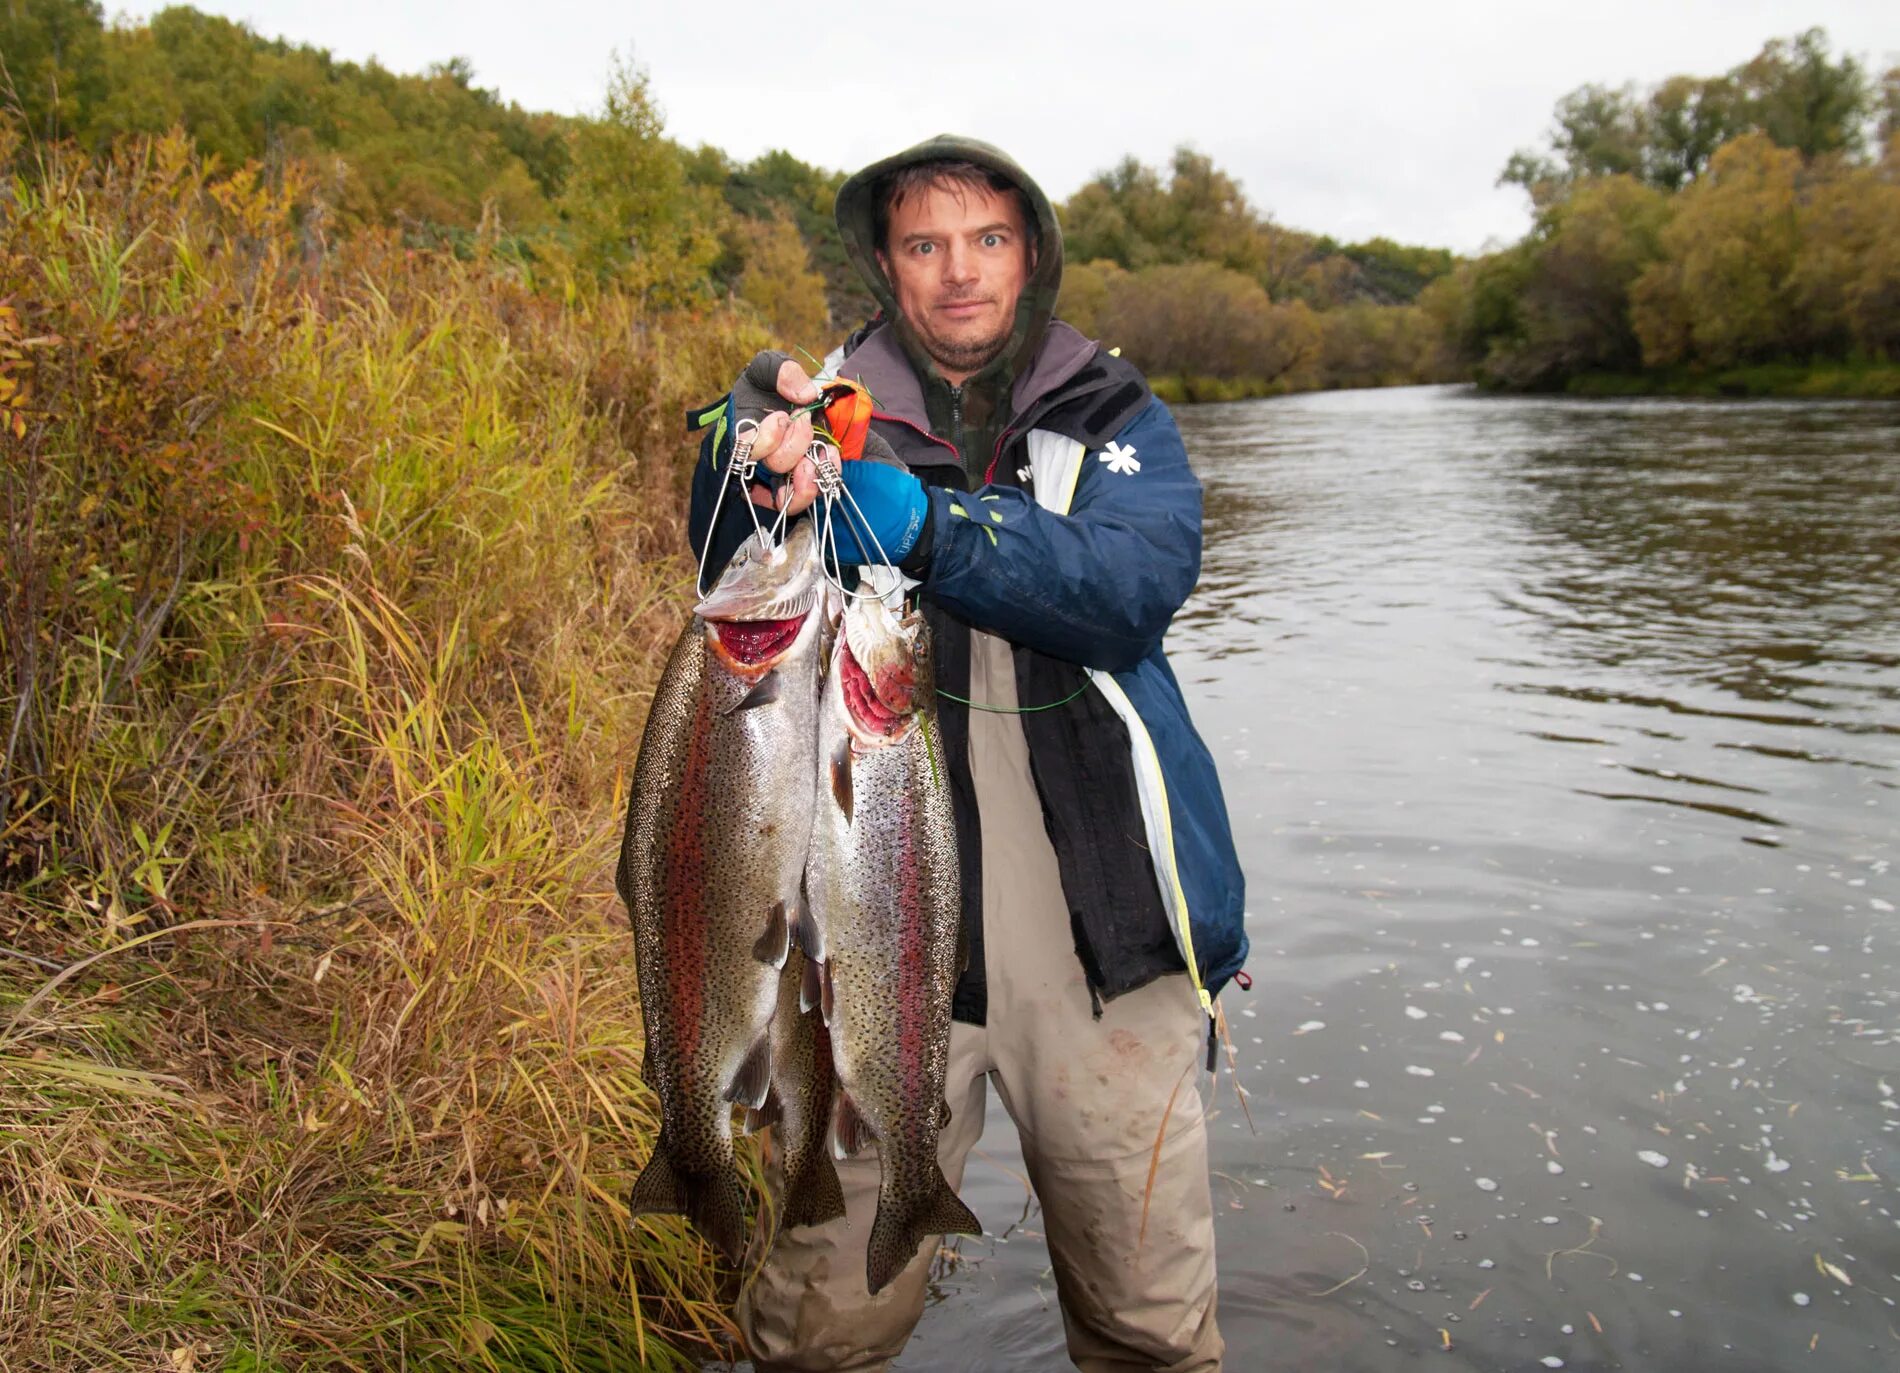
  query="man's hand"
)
[
  {"x": 884, "y": 517},
  {"x": 781, "y": 441}
]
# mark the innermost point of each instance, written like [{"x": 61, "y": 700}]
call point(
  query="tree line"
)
[
  {"x": 1740, "y": 232},
  {"x": 1681, "y": 231},
  {"x": 609, "y": 198}
]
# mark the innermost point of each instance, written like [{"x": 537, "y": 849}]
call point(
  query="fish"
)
[
  {"x": 711, "y": 864},
  {"x": 885, "y": 918},
  {"x": 799, "y": 1106}
]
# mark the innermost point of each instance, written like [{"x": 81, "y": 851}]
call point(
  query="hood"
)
[{"x": 857, "y": 227}]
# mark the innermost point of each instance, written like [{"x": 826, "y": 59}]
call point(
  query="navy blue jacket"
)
[{"x": 1078, "y": 547}]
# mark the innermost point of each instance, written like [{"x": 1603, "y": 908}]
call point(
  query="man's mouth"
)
[{"x": 963, "y": 309}]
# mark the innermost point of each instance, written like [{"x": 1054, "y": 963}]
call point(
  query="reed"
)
[{"x": 337, "y": 576}]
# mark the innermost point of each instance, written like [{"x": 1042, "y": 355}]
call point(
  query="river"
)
[{"x": 1562, "y": 742}]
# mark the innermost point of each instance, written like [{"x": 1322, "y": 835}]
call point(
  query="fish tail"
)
[
  {"x": 714, "y": 1202},
  {"x": 899, "y": 1230},
  {"x": 716, "y": 1205},
  {"x": 816, "y": 1196},
  {"x": 656, "y": 1191}
]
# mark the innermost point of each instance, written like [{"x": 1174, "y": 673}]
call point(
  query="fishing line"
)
[{"x": 1011, "y": 710}]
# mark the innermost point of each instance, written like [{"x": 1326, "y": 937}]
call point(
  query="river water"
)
[{"x": 1562, "y": 742}]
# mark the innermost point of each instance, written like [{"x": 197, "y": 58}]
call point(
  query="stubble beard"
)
[{"x": 964, "y": 355}]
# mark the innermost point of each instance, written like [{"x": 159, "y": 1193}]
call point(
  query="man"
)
[{"x": 1046, "y": 507}]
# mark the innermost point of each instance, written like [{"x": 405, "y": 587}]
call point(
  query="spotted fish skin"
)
[
  {"x": 799, "y": 1108},
  {"x": 885, "y": 901},
  {"x": 718, "y": 822}
]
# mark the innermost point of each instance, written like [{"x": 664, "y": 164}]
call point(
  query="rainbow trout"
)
[
  {"x": 885, "y": 911},
  {"x": 800, "y": 1104},
  {"x": 718, "y": 823}
]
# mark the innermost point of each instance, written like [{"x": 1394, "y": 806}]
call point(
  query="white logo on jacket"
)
[{"x": 1120, "y": 458}]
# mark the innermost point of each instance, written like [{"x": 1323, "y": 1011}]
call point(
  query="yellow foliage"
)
[
  {"x": 1722, "y": 288},
  {"x": 778, "y": 282},
  {"x": 324, "y": 655}
]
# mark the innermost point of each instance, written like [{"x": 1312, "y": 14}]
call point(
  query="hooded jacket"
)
[{"x": 1063, "y": 517}]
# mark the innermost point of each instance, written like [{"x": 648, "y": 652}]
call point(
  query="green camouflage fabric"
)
[{"x": 985, "y": 400}]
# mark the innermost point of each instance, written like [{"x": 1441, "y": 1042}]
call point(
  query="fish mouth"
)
[
  {"x": 880, "y": 709},
  {"x": 747, "y": 643}
]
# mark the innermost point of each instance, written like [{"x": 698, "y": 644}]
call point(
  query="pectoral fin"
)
[
  {"x": 754, "y": 1079},
  {"x": 841, "y": 778},
  {"x": 776, "y": 942},
  {"x": 763, "y": 693}
]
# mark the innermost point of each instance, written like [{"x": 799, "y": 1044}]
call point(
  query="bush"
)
[{"x": 336, "y": 578}]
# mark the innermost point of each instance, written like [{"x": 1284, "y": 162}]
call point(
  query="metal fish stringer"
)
[
  {"x": 837, "y": 502},
  {"x": 740, "y": 468}
]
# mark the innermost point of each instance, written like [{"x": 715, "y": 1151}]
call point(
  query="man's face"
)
[{"x": 957, "y": 257}]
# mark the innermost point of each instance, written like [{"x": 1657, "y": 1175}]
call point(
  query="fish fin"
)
[
  {"x": 841, "y": 778},
  {"x": 758, "y": 1117},
  {"x": 716, "y": 1207},
  {"x": 776, "y": 942},
  {"x": 897, "y": 1232},
  {"x": 656, "y": 1192},
  {"x": 763, "y": 693},
  {"x": 827, "y": 994},
  {"x": 714, "y": 1203},
  {"x": 811, "y": 987},
  {"x": 816, "y": 1196},
  {"x": 849, "y": 1132},
  {"x": 943, "y": 1114},
  {"x": 805, "y": 932},
  {"x": 754, "y": 1079}
]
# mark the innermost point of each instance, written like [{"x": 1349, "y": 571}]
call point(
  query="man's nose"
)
[{"x": 959, "y": 265}]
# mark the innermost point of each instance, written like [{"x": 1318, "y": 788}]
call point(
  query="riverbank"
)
[
  {"x": 325, "y": 651},
  {"x": 1805, "y": 381},
  {"x": 1179, "y": 390}
]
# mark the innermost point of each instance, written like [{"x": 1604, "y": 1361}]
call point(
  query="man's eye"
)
[
  {"x": 924, "y": 249},
  {"x": 992, "y": 240}
]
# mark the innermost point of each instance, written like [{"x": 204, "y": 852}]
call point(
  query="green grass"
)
[
  {"x": 1819, "y": 380},
  {"x": 349, "y": 573}
]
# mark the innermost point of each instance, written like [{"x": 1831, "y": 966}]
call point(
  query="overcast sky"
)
[{"x": 1348, "y": 117}]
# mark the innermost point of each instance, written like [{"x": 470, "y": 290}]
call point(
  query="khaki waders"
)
[{"x": 1087, "y": 1097}]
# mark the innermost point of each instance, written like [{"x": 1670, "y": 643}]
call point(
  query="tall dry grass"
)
[{"x": 336, "y": 580}]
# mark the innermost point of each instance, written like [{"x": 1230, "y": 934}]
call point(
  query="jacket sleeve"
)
[{"x": 1096, "y": 586}]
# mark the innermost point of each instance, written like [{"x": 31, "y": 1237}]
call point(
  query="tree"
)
[
  {"x": 1689, "y": 118},
  {"x": 1792, "y": 90},
  {"x": 1801, "y": 99},
  {"x": 1199, "y": 319},
  {"x": 627, "y": 205},
  {"x": 1720, "y": 293},
  {"x": 1845, "y": 284},
  {"x": 1588, "y": 252},
  {"x": 1085, "y": 290},
  {"x": 52, "y": 53},
  {"x": 1595, "y": 131},
  {"x": 778, "y": 282}
]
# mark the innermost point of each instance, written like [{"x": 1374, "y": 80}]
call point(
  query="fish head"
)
[
  {"x": 883, "y": 678},
  {"x": 765, "y": 601}
]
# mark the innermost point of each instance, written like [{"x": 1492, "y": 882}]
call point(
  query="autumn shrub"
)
[{"x": 336, "y": 577}]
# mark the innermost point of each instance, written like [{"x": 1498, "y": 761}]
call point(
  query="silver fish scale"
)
[
  {"x": 717, "y": 829},
  {"x": 884, "y": 887}
]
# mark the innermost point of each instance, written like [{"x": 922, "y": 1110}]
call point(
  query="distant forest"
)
[
  {"x": 1735, "y": 232},
  {"x": 445, "y": 163},
  {"x": 1681, "y": 232}
]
